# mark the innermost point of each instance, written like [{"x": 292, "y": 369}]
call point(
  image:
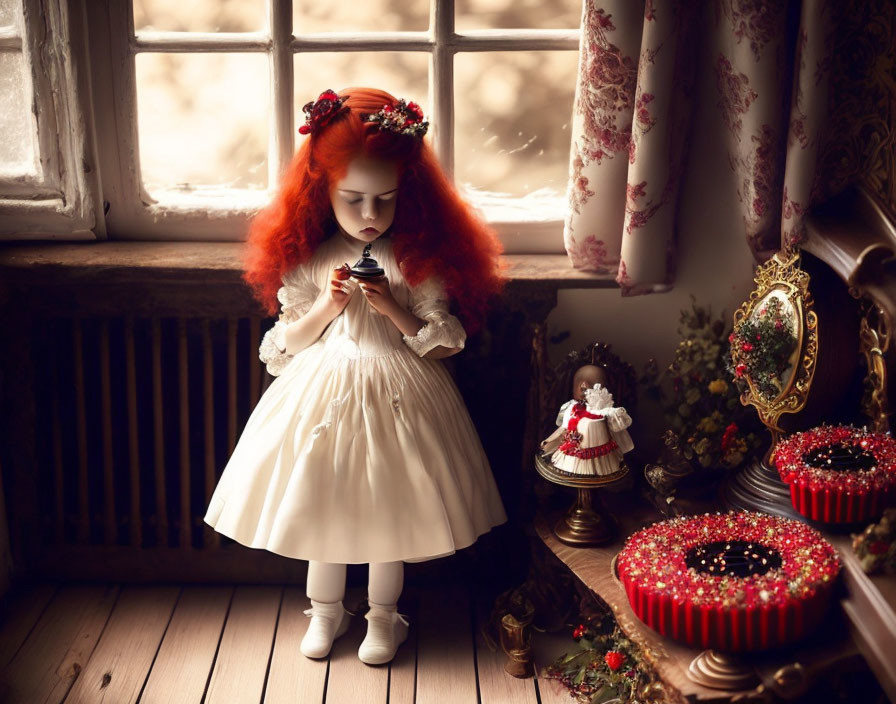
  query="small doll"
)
[
  {"x": 361, "y": 450},
  {"x": 592, "y": 434}
]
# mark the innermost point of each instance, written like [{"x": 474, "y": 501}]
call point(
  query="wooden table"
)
[{"x": 867, "y": 630}]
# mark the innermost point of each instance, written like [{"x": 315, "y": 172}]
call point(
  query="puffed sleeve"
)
[
  {"x": 562, "y": 412},
  {"x": 618, "y": 420},
  {"x": 441, "y": 329},
  {"x": 296, "y": 297}
]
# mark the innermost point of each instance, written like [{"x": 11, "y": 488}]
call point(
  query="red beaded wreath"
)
[
  {"x": 838, "y": 474},
  {"x": 739, "y": 581},
  {"x": 655, "y": 558},
  {"x": 790, "y": 459}
]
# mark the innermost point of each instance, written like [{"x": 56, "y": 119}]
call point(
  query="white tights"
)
[{"x": 326, "y": 582}]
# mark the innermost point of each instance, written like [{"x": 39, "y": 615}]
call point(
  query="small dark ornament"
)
[{"x": 367, "y": 267}]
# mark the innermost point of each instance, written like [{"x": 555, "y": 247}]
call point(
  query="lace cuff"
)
[
  {"x": 618, "y": 419},
  {"x": 440, "y": 329},
  {"x": 274, "y": 358},
  {"x": 296, "y": 297}
]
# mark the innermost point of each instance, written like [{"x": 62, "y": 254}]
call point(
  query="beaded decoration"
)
[
  {"x": 404, "y": 118},
  {"x": 673, "y": 558},
  {"x": 841, "y": 457}
]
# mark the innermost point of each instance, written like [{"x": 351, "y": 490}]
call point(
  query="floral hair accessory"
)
[
  {"x": 320, "y": 112},
  {"x": 404, "y": 118}
]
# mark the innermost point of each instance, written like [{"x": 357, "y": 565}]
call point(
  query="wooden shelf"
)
[{"x": 593, "y": 566}]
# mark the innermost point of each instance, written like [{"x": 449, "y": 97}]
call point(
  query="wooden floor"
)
[{"x": 240, "y": 644}]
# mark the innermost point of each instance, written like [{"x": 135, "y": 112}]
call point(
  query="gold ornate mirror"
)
[
  {"x": 774, "y": 352},
  {"x": 774, "y": 344}
]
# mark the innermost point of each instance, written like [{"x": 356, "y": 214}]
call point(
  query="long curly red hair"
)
[{"x": 434, "y": 231}]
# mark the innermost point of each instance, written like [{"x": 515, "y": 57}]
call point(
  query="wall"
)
[{"x": 714, "y": 263}]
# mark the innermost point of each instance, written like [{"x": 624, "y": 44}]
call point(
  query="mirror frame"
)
[{"x": 782, "y": 273}]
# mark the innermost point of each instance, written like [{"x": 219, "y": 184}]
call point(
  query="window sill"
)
[{"x": 219, "y": 262}]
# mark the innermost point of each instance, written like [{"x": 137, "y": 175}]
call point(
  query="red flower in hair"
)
[
  {"x": 403, "y": 118},
  {"x": 319, "y": 113},
  {"x": 415, "y": 114}
]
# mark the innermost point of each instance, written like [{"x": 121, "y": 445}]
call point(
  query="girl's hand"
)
[
  {"x": 379, "y": 295},
  {"x": 337, "y": 295}
]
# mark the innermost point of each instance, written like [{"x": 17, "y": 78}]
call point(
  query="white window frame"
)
[
  {"x": 133, "y": 214},
  {"x": 60, "y": 201}
]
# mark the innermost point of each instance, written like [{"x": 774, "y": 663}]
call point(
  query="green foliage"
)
[
  {"x": 702, "y": 409},
  {"x": 606, "y": 666},
  {"x": 762, "y": 346}
]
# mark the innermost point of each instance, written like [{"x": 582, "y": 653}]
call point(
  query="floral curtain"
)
[
  {"x": 804, "y": 90},
  {"x": 629, "y": 125}
]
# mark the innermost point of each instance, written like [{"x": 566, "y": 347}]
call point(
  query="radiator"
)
[{"x": 135, "y": 419}]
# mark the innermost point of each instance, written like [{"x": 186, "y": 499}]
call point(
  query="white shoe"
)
[
  {"x": 386, "y": 630},
  {"x": 328, "y": 622}
]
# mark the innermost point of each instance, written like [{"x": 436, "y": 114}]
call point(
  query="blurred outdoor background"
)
[{"x": 204, "y": 118}]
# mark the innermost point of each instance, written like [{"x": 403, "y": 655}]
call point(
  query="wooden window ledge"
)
[{"x": 220, "y": 262}]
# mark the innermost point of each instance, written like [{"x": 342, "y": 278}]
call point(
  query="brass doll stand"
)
[{"x": 586, "y": 523}]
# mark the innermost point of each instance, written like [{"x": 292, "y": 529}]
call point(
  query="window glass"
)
[
  {"x": 403, "y": 74},
  {"x": 203, "y": 120},
  {"x": 200, "y": 15},
  {"x": 520, "y": 14},
  {"x": 309, "y": 16},
  {"x": 512, "y": 111},
  {"x": 16, "y": 126},
  {"x": 9, "y": 12}
]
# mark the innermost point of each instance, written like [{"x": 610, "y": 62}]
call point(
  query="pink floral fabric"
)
[
  {"x": 630, "y": 121},
  {"x": 808, "y": 109},
  {"x": 773, "y": 141},
  {"x": 800, "y": 88}
]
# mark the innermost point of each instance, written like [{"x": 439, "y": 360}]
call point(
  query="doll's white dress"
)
[
  {"x": 361, "y": 450},
  {"x": 591, "y": 435}
]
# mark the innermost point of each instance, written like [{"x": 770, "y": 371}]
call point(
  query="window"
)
[
  {"x": 196, "y": 103},
  {"x": 47, "y": 188}
]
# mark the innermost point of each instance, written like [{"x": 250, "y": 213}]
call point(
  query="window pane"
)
[
  {"x": 203, "y": 120},
  {"x": 9, "y": 12},
  {"x": 16, "y": 126},
  {"x": 509, "y": 14},
  {"x": 309, "y": 16},
  {"x": 511, "y": 113},
  {"x": 200, "y": 15},
  {"x": 403, "y": 74}
]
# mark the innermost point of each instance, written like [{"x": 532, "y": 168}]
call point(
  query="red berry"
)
[{"x": 614, "y": 659}]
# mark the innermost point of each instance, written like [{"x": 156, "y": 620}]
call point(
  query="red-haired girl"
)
[{"x": 361, "y": 450}]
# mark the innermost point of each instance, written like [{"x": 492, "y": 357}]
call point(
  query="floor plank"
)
[
  {"x": 181, "y": 669},
  {"x": 403, "y": 670},
  {"x": 495, "y": 685},
  {"x": 293, "y": 677},
  {"x": 246, "y": 643},
  {"x": 59, "y": 646},
  {"x": 20, "y": 615},
  {"x": 350, "y": 680},
  {"x": 547, "y": 648},
  {"x": 445, "y": 648},
  {"x": 118, "y": 667}
]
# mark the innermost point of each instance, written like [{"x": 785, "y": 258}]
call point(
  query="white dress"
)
[
  {"x": 591, "y": 436},
  {"x": 361, "y": 450}
]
